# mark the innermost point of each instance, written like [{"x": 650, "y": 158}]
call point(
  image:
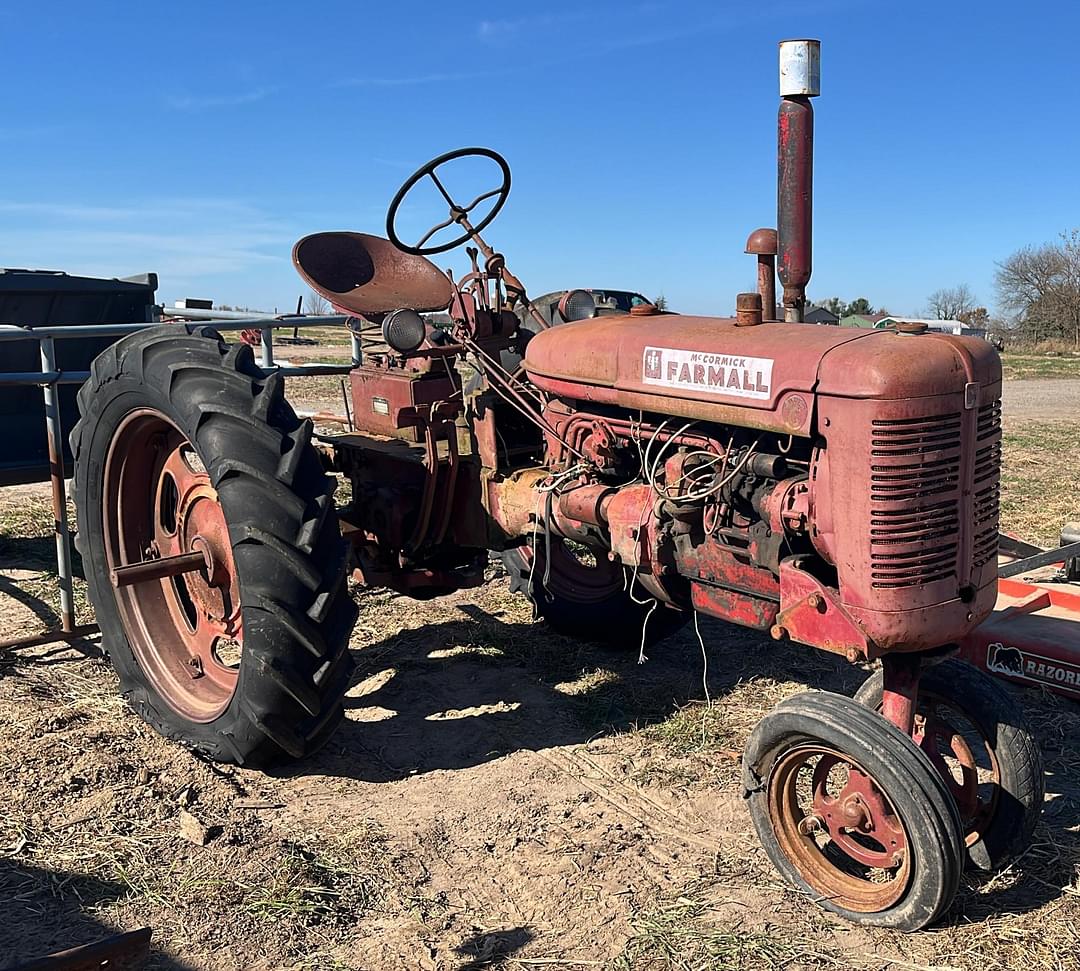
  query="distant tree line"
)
[{"x": 860, "y": 305}]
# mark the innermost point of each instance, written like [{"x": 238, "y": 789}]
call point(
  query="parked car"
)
[{"x": 562, "y": 306}]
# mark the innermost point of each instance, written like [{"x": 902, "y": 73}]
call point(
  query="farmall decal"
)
[
  {"x": 1015, "y": 663},
  {"x": 726, "y": 374}
]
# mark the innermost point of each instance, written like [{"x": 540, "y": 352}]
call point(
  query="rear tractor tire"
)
[
  {"x": 586, "y": 596},
  {"x": 975, "y": 733},
  {"x": 185, "y": 447},
  {"x": 852, "y": 813}
]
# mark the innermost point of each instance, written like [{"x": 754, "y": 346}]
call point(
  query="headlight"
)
[
  {"x": 404, "y": 330},
  {"x": 577, "y": 305}
]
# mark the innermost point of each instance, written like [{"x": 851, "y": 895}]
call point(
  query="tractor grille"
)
[
  {"x": 915, "y": 500},
  {"x": 986, "y": 485}
]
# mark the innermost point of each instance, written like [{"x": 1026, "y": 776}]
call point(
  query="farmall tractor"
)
[{"x": 838, "y": 488}]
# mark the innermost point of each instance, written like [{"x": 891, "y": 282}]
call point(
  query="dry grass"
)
[
  {"x": 1040, "y": 480},
  {"x": 89, "y": 832}
]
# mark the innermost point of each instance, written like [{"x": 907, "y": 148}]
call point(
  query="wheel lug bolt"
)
[{"x": 810, "y": 824}]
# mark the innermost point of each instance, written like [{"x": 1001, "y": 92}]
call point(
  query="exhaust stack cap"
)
[{"x": 800, "y": 68}]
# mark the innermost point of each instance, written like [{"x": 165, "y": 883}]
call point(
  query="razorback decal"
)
[
  {"x": 719, "y": 374},
  {"x": 1016, "y": 663}
]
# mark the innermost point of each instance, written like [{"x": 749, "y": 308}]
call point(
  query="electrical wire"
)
[
  {"x": 704, "y": 678},
  {"x": 502, "y": 383}
]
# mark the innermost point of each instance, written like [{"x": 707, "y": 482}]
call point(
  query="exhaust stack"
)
[{"x": 800, "y": 80}]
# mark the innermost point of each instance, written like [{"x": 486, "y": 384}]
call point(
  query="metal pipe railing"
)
[
  {"x": 50, "y": 376},
  {"x": 54, "y": 431}
]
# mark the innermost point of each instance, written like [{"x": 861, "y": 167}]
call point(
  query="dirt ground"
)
[
  {"x": 499, "y": 796},
  {"x": 1042, "y": 399}
]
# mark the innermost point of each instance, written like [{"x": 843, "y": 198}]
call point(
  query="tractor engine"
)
[{"x": 839, "y": 487}]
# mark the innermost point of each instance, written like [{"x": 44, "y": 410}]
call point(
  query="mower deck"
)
[{"x": 1031, "y": 638}]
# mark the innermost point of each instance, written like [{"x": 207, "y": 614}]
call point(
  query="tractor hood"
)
[{"x": 765, "y": 376}]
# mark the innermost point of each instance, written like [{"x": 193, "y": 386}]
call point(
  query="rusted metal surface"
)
[
  {"x": 121, "y": 952},
  {"x": 943, "y": 728},
  {"x": 585, "y": 503},
  {"x": 636, "y": 364},
  {"x": 846, "y": 840},
  {"x": 394, "y": 402},
  {"x": 744, "y": 609},
  {"x": 938, "y": 731},
  {"x": 363, "y": 274},
  {"x": 184, "y": 627},
  {"x": 725, "y": 586},
  {"x": 513, "y": 502},
  {"x": 49, "y": 637},
  {"x": 906, "y": 493},
  {"x": 748, "y": 309},
  {"x": 762, "y": 244},
  {"x": 811, "y": 613},
  {"x": 900, "y": 689},
  {"x": 794, "y": 203},
  {"x": 159, "y": 569}
]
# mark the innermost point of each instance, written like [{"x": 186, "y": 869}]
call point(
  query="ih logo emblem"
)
[{"x": 654, "y": 360}]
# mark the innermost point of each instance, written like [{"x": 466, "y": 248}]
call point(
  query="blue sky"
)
[{"x": 200, "y": 140}]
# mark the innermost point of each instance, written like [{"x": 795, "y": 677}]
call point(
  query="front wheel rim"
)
[
  {"x": 838, "y": 828},
  {"x": 185, "y": 631}
]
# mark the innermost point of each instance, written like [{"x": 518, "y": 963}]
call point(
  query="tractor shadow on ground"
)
[
  {"x": 46, "y": 911},
  {"x": 474, "y": 688},
  {"x": 32, "y": 556}
]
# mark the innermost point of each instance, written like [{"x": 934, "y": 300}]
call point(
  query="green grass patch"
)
[{"x": 1016, "y": 367}]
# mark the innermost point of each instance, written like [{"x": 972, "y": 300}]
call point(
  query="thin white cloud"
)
[
  {"x": 506, "y": 28},
  {"x": 190, "y": 242},
  {"x": 408, "y": 80},
  {"x": 190, "y": 102}
]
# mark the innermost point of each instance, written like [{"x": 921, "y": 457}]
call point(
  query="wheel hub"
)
[
  {"x": 185, "y": 630},
  {"x": 839, "y": 829}
]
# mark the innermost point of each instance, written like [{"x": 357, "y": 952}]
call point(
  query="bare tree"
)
[
  {"x": 316, "y": 305},
  {"x": 976, "y": 317},
  {"x": 1040, "y": 285},
  {"x": 951, "y": 303}
]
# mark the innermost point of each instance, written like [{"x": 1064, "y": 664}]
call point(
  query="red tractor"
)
[{"x": 835, "y": 487}]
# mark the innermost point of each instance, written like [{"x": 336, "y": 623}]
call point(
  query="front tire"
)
[
  {"x": 852, "y": 813},
  {"x": 183, "y": 445}
]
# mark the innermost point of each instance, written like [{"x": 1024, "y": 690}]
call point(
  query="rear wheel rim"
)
[
  {"x": 185, "y": 631},
  {"x": 839, "y": 829},
  {"x": 572, "y": 577}
]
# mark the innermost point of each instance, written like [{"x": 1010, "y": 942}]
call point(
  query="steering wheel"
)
[{"x": 458, "y": 214}]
